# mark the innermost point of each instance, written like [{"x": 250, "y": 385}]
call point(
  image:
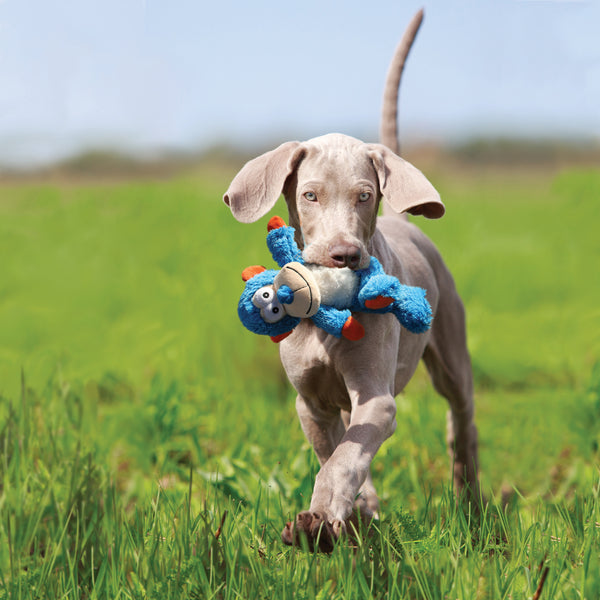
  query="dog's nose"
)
[{"x": 344, "y": 255}]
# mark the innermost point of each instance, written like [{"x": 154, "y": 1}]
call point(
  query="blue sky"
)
[{"x": 148, "y": 75}]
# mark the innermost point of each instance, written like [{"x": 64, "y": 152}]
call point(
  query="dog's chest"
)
[{"x": 338, "y": 287}]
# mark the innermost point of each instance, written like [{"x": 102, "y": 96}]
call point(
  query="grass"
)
[{"x": 149, "y": 445}]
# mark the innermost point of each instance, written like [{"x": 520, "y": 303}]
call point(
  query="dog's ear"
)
[
  {"x": 403, "y": 186},
  {"x": 255, "y": 189}
]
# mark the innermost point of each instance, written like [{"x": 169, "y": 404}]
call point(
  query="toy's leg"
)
[
  {"x": 338, "y": 323},
  {"x": 281, "y": 243}
]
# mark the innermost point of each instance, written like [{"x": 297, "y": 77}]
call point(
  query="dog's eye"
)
[
  {"x": 310, "y": 196},
  {"x": 364, "y": 196}
]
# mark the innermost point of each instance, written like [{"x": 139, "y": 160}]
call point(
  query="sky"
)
[{"x": 148, "y": 76}]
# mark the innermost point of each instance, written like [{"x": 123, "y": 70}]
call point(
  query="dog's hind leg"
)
[
  {"x": 323, "y": 430},
  {"x": 448, "y": 362}
]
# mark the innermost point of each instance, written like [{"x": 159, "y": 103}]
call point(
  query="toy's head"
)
[{"x": 273, "y": 302}]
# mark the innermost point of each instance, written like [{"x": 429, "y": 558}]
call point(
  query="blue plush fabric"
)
[
  {"x": 282, "y": 244},
  {"x": 409, "y": 304},
  {"x": 250, "y": 314},
  {"x": 285, "y": 295},
  {"x": 331, "y": 320}
]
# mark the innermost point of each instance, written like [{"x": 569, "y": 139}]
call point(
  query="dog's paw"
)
[{"x": 314, "y": 527}]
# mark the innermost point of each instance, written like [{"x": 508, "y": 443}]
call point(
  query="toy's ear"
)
[
  {"x": 256, "y": 188},
  {"x": 250, "y": 272},
  {"x": 403, "y": 186}
]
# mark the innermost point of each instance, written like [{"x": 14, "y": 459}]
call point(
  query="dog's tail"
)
[{"x": 389, "y": 113}]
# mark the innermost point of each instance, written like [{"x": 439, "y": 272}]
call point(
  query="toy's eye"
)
[
  {"x": 273, "y": 313},
  {"x": 263, "y": 297},
  {"x": 364, "y": 196},
  {"x": 310, "y": 196}
]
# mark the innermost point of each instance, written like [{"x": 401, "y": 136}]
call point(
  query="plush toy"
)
[{"x": 273, "y": 302}]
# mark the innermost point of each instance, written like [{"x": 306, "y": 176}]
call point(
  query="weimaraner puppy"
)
[{"x": 333, "y": 186}]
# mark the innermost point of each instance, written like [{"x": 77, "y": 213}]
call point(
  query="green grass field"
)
[{"x": 149, "y": 445}]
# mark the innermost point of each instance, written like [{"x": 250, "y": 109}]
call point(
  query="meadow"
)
[{"x": 149, "y": 446}]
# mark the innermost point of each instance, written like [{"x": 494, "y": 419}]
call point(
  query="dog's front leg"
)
[
  {"x": 372, "y": 421},
  {"x": 360, "y": 377},
  {"x": 325, "y": 431},
  {"x": 345, "y": 473}
]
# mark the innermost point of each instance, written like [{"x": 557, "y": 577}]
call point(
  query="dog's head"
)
[{"x": 333, "y": 185}]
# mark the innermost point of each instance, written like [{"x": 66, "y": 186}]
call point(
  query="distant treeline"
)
[
  {"x": 509, "y": 151},
  {"x": 501, "y": 152}
]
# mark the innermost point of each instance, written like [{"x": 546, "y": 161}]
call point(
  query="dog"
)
[{"x": 333, "y": 186}]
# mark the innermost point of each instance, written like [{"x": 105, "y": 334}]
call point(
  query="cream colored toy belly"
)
[{"x": 337, "y": 286}]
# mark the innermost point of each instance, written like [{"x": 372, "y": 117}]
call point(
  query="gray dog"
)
[{"x": 333, "y": 186}]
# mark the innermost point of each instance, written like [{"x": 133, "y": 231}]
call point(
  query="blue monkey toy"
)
[{"x": 273, "y": 302}]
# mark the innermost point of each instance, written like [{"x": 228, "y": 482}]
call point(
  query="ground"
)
[{"x": 149, "y": 443}]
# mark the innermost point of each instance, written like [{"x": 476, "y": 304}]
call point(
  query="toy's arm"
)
[
  {"x": 412, "y": 309},
  {"x": 378, "y": 290},
  {"x": 338, "y": 323},
  {"x": 383, "y": 293},
  {"x": 281, "y": 242}
]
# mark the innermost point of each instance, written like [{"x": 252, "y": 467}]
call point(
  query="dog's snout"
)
[{"x": 345, "y": 255}]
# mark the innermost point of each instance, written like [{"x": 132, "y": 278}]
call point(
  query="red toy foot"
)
[
  {"x": 275, "y": 223},
  {"x": 379, "y": 302},
  {"x": 352, "y": 329}
]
